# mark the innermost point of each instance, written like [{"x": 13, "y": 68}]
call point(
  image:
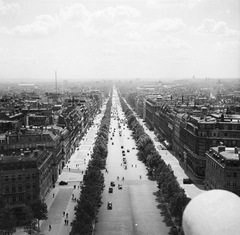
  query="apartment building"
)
[{"x": 222, "y": 169}]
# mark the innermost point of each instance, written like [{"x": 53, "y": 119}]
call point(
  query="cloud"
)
[
  {"x": 228, "y": 47},
  {"x": 74, "y": 13},
  {"x": 166, "y": 25},
  {"x": 210, "y": 26},
  {"x": 162, "y": 4},
  {"x": 8, "y": 8},
  {"x": 43, "y": 25}
]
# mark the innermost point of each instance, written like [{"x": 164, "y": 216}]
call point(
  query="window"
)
[
  {"x": 20, "y": 198},
  {"x": 13, "y": 177},
  {"x": 28, "y": 186},
  {"x": 13, "y": 188},
  {"x": 6, "y": 178},
  {"x": 7, "y": 189},
  {"x": 33, "y": 176},
  {"x": 228, "y": 174},
  {"x": 19, "y": 177},
  {"x": 234, "y": 174},
  {"x": 28, "y": 176},
  {"x": 228, "y": 183},
  {"x": 20, "y": 188},
  {"x": 234, "y": 184}
]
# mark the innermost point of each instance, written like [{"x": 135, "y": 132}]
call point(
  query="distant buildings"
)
[
  {"x": 189, "y": 119},
  {"x": 37, "y": 139}
]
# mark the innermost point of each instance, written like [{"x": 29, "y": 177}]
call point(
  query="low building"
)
[{"x": 223, "y": 169}]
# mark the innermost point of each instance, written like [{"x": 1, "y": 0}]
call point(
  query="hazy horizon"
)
[{"x": 119, "y": 40}]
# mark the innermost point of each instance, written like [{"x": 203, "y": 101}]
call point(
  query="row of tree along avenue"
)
[
  {"x": 32, "y": 215},
  {"x": 93, "y": 181},
  {"x": 171, "y": 197}
]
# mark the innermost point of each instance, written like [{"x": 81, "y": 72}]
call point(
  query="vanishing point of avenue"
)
[{"x": 52, "y": 158}]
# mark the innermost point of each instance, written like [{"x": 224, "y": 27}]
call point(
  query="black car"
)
[
  {"x": 187, "y": 181},
  {"x": 109, "y": 206},
  {"x": 120, "y": 186},
  {"x": 112, "y": 184},
  {"x": 110, "y": 190},
  {"x": 63, "y": 183}
]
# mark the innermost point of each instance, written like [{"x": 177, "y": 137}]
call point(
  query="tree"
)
[
  {"x": 30, "y": 226},
  {"x": 39, "y": 210},
  {"x": 8, "y": 220}
]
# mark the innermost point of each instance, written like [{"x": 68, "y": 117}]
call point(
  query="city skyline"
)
[{"x": 119, "y": 39}]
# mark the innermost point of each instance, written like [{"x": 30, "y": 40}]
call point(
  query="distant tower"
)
[{"x": 56, "y": 82}]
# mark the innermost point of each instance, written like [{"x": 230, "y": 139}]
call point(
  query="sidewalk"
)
[
  {"x": 192, "y": 190},
  {"x": 62, "y": 199}
]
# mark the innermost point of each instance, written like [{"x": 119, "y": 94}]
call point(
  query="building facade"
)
[{"x": 223, "y": 169}]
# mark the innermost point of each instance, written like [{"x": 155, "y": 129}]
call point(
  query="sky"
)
[{"x": 119, "y": 39}]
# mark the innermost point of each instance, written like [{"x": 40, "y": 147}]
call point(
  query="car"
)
[
  {"x": 109, "y": 206},
  {"x": 121, "y": 147},
  {"x": 110, "y": 190},
  {"x": 112, "y": 184},
  {"x": 119, "y": 186},
  {"x": 187, "y": 181},
  {"x": 128, "y": 150},
  {"x": 63, "y": 183},
  {"x": 124, "y": 154}
]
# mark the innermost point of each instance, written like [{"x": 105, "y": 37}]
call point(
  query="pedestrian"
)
[
  {"x": 67, "y": 215},
  {"x": 82, "y": 172},
  {"x": 53, "y": 195},
  {"x": 49, "y": 227},
  {"x": 69, "y": 169},
  {"x": 64, "y": 213},
  {"x": 65, "y": 222}
]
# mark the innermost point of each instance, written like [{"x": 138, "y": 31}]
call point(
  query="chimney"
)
[
  {"x": 204, "y": 111},
  {"x": 27, "y": 153},
  {"x": 221, "y": 148},
  {"x": 236, "y": 150},
  {"x": 35, "y": 152}
]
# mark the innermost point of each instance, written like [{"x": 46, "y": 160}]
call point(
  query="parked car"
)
[
  {"x": 120, "y": 186},
  {"x": 128, "y": 150},
  {"x": 63, "y": 183},
  {"x": 112, "y": 184},
  {"x": 187, "y": 181},
  {"x": 110, "y": 190},
  {"x": 109, "y": 206}
]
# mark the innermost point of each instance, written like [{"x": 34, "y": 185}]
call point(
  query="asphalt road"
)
[{"x": 134, "y": 208}]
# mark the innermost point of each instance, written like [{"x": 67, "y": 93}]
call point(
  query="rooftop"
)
[{"x": 228, "y": 154}]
